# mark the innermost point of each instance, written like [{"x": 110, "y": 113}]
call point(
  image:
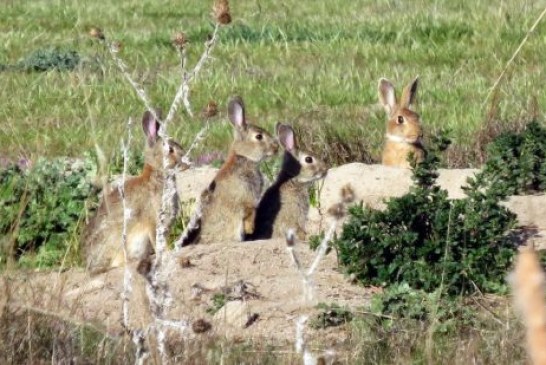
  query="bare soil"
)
[{"x": 262, "y": 287}]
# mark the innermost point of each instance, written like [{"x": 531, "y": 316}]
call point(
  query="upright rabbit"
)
[
  {"x": 404, "y": 132},
  {"x": 229, "y": 203},
  {"x": 286, "y": 203},
  {"x": 143, "y": 194}
]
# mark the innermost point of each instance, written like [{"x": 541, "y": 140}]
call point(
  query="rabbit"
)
[
  {"x": 143, "y": 195},
  {"x": 285, "y": 204},
  {"x": 404, "y": 133},
  {"x": 228, "y": 205},
  {"x": 528, "y": 284}
]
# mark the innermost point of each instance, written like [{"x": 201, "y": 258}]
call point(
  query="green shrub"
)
[
  {"x": 50, "y": 59},
  {"x": 428, "y": 241},
  {"x": 330, "y": 315},
  {"x": 517, "y": 162},
  {"x": 42, "y": 208}
]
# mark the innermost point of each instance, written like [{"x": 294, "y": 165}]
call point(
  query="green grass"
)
[{"x": 313, "y": 64}]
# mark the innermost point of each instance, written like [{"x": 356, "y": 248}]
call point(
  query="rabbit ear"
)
[
  {"x": 236, "y": 111},
  {"x": 387, "y": 96},
  {"x": 151, "y": 126},
  {"x": 409, "y": 95},
  {"x": 286, "y": 137}
]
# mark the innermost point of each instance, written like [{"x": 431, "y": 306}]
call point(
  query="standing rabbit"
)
[
  {"x": 228, "y": 205},
  {"x": 404, "y": 132},
  {"x": 286, "y": 203},
  {"x": 143, "y": 194}
]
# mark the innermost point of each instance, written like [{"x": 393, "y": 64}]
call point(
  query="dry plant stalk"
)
[
  {"x": 127, "y": 289},
  {"x": 511, "y": 60},
  {"x": 157, "y": 289},
  {"x": 529, "y": 289},
  {"x": 182, "y": 94},
  {"x": 308, "y": 289},
  {"x": 337, "y": 211}
]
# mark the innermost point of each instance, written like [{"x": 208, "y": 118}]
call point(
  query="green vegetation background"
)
[{"x": 312, "y": 63}]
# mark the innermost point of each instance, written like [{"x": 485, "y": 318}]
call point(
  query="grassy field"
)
[{"x": 314, "y": 64}]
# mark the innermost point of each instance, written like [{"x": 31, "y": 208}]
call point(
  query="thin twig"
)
[
  {"x": 198, "y": 138},
  {"x": 124, "y": 71},
  {"x": 511, "y": 60},
  {"x": 182, "y": 94},
  {"x": 126, "y": 216}
]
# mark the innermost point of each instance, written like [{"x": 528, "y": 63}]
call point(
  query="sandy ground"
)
[
  {"x": 373, "y": 184},
  {"x": 259, "y": 278}
]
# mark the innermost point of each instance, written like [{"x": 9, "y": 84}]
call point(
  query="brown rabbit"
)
[
  {"x": 229, "y": 203},
  {"x": 102, "y": 236},
  {"x": 528, "y": 282},
  {"x": 404, "y": 132},
  {"x": 286, "y": 203}
]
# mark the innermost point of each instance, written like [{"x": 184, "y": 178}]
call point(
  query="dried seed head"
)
[
  {"x": 210, "y": 110},
  {"x": 347, "y": 194},
  {"x": 337, "y": 210},
  {"x": 95, "y": 32},
  {"x": 220, "y": 12},
  {"x": 179, "y": 41},
  {"x": 200, "y": 326},
  {"x": 116, "y": 46},
  {"x": 184, "y": 262}
]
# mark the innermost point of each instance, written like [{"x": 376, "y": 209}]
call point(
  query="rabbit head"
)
[
  {"x": 250, "y": 141},
  {"x": 301, "y": 166},
  {"x": 403, "y": 124},
  {"x": 153, "y": 153}
]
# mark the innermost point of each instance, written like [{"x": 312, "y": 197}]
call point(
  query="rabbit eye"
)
[
  {"x": 400, "y": 119},
  {"x": 309, "y": 159},
  {"x": 259, "y": 137},
  {"x": 171, "y": 149}
]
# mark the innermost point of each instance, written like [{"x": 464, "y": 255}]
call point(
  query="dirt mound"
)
[
  {"x": 257, "y": 282},
  {"x": 262, "y": 289}
]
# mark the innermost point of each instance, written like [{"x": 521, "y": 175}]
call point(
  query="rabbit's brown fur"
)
[
  {"x": 143, "y": 194},
  {"x": 286, "y": 203},
  {"x": 404, "y": 132},
  {"x": 529, "y": 289},
  {"x": 229, "y": 203}
]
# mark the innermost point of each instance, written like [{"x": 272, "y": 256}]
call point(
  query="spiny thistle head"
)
[
  {"x": 210, "y": 110},
  {"x": 97, "y": 33},
  {"x": 337, "y": 210},
  {"x": 220, "y": 12},
  {"x": 347, "y": 194},
  {"x": 179, "y": 40}
]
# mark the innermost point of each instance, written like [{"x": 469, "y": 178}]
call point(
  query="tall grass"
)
[{"x": 288, "y": 59}]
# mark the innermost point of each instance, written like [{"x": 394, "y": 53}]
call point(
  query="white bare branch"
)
[{"x": 182, "y": 94}]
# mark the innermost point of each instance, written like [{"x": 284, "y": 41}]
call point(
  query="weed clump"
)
[
  {"x": 42, "y": 208},
  {"x": 516, "y": 162},
  {"x": 50, "y": 59},
  {"x": 428, "y": 241}
]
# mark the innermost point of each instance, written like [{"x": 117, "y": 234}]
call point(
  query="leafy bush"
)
[
  {"x": 50, "y": 59},
  {"x": 517, "y": 162},
  {"x": 330, "y": 315},
  {"x": 428, "y": 241},
  {"x": 402, "y": 301},
  {"x": 42, "y": 208}
]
